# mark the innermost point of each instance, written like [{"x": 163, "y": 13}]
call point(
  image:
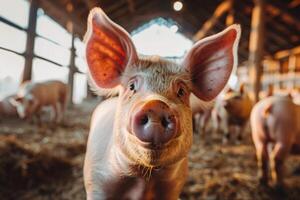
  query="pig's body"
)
[
  {"x": 201, "y": 111},
  {"x": 110, "y": 175},
  {"x": 7, "y": 109},
  {"x": 238, "y": 106},
  {"x": 275, "y": 120},
  {"x": 34, "y": 96}
]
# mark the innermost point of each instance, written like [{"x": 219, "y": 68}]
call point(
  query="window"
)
[
  {"x": 11, "y": 69},
  {"x": 48, "y": 28},
  {"x": 8, "y": 10},
  {"x": 43, "y": 70},
  {"x": 52, "y": 51},
  {"x": 160, "y": 37},
  {"x": 80, "y": 87},
  {"x": 12, "y": 38}
]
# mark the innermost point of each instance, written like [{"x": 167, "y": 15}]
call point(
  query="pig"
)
[
  {"x": 6, "y": 108},
  {"x": 275, "y": 120},
  {"x": 201, "y": 112},
  {"x": 32, "y": 97},
  {"x": 238, "y": 107},
  {"x": 138, "y": 142}
]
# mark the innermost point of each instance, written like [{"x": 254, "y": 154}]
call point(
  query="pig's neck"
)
[{"x": 122, "y": 166}]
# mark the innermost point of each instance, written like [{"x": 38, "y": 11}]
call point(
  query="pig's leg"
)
[
  {"x": 243, "y": 130},
  {"x": 204, "y": 124},
  {"x": 38, "y": 117},
  {"x": 278, "y": 157},
  {"x": 196, "y": 118},
  {"x": 55, "y": 107},
  {"x": 262, "y": 161},
  {"x": 202, "y": 127}
]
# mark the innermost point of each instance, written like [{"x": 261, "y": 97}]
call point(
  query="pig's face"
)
[
  {"x": 153, "y": 123},
  {"x": 25, "y": 105},
  {"x": 141, "y": 86}
]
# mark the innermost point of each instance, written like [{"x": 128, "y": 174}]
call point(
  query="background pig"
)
[
  {"x": 275, "y": 120},
  {"x": 32, "y": 97},
  {"x": 138, "y": 143},
  {"x": 6, "y": 108},
  {"x": 238, "y": 107},
  {"x": 201, "y": 112}
]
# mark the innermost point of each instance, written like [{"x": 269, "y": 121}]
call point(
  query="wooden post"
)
[
  {"x": 292, "y": 70},
  {"x": 209, "y": 24},
  {"x": 72, "y": 68},
  {"x": 27, "y": 72},
  {"x": 230, "y": 16},
  {"x": 256, "y": 47}
]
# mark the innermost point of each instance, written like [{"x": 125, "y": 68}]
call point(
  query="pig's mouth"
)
[{"x": 149, "y": 154}]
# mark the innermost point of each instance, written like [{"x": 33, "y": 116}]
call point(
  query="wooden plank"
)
[
  {"x": 72, "y": 69},
  {"x": 285, "y": 13},
  {"x": 292, "y": 69},
  {"x": 286, "y": 53},
  {"x": 61, "y": 16},
  {"x": 256, "y": 47},
  {"x": 230, "y": 16},
  {"x": 27, "y": 72},
  {"x": 210, "y": 23}
]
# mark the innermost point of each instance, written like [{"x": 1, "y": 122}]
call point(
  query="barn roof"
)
[{"x": 282, "y": 18}]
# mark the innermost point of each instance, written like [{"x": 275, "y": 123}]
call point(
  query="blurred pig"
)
[
  {"x": 201, "y": 112},
  {"x": 32, "y": 97},
  {"x": 138, "y": 142},
  {"x": 6, "y": 108},
  {"x": 275, "y": 120},
  {"x": 238, "y": 107}
]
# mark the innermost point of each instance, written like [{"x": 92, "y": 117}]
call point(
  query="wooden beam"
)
[
  {"x": 256, "y": 47},
  {"x": 90, "y": 4},
  {"x": 230, "y": 16},
  {"x": 30, "y": 41},
  {"x": 294, "y": 3},
  {"x": 209, "y": 24},
  {"x": 131, "y": 5},
  {"x": 292, "y": 69},
  {"x": 286, "y": 53},
  {"x": 61, "y": 15},
  {"x": 285, "y": 13}
]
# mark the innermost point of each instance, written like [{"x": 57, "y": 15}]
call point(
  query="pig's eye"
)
[
  {"x": 180, "y": 92},
  {"x": 131, "y": 86}
]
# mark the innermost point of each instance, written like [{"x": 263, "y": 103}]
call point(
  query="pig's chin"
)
[{"x": 141, "y": 153}]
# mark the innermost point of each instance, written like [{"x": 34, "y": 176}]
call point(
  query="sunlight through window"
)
[{"x": 161, "y": 37}]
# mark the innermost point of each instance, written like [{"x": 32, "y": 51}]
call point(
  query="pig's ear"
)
[
  {"x": 211, "y": 61},
  {"x": 109, "y": 49}
]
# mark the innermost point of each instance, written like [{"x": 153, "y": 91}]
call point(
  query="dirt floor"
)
[{"x": 43, "y": 163}]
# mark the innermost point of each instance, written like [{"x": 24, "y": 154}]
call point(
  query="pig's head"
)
[
  {"x": 25, "y": 105},
  {"x": 237, "y": 103},
  {"x": 153, "y": 124}
]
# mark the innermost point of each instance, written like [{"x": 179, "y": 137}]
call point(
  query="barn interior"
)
[{"x": 45, "y": 160}]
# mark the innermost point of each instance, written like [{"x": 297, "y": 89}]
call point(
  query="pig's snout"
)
[{"x": 154, "y": 123}]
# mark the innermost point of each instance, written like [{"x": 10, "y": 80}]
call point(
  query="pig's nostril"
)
[
  {"x": 144, "y": 120},
  {"x": 165, "y": 122}
]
